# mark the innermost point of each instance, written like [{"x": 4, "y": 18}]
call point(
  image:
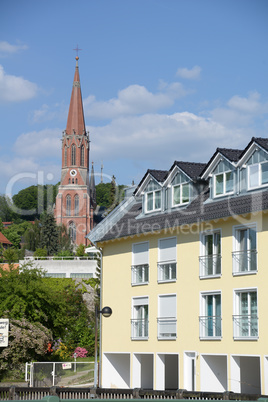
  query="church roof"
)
[{"x": 76, "y": 121}]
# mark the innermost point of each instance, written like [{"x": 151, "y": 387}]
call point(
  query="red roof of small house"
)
[
  {"x": 6, "y": 266},
  {"x": 3, "y": 239}
]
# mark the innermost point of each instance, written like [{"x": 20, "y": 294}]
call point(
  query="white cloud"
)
[
  {"x": 57, "y": 111},
  {"x": 189, "y": 74},
  {"x": 8, "y": 49},
  {"x": 39, "y": 145},
  {"x": 135, "y": 99},
  {"x": 15, "y": 89}
]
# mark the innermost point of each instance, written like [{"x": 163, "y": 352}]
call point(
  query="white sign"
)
[
  {"x": 66, "y": 366},
  {"x": 4, "y": 325}
]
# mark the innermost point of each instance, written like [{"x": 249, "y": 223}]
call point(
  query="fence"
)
[
  {"x": 62, "y": 374},
  {"x": 85, "y": 394}
]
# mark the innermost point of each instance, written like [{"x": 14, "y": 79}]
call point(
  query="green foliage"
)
[
  {"x": 80, "y": 251},
  {"x": 32, "y": 236},
  {"x": 27, "y": 341},
  {"x": 7, "y": 213},
  {"x": 64, "y": 240},
  {"x": 55, "y": 303},
  {"x": 10, "y": 255},
  {"x": 15, "y": 232},
  {"x": 49, "y": 234},
  {"x": 108, "y": 194},
  {"x": 40, "y": 252}
]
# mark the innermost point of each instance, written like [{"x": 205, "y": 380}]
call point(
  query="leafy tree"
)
[
  {"x": 27, "y": 341},
  {"x": 40, "y": 252},
  {"x": 7, "y": 213},
  {"x": 80, "y": 251},
  {"x": 49, "y": 234},
  {"x": 32, "y": 236},
  {"x": 65, "y": 243},
  {"x": 10, "y": 255}
]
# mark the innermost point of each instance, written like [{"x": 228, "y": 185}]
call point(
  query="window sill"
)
[
  {"x": 210, "y": 338},
  {"x": 167, "y": 338},
  {"x": 139, "y": 284},
  {"x": 209, "y": 276},
  {"x": 140, "y": 339},
  {"x": 167, "y": 280},
  {"x": 242, "y": 273},
  {"x": 246, "y": 338}
]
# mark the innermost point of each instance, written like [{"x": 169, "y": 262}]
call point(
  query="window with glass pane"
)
[
  {"x": 68, "y": 205},
  {"x": 246, "y": 322},
  {"x": 210, "y": 322},
  {"x": 167, "y": 322},
  {"x": 224, "y": 183},
  {"x": 73, "y": 155},
  {"x": 139, "y": 322},
  {"x": 167, "y": 265},
  {"x": 229, "y": 183},
  {"x": 245, "y": 255},
  {"x": 210, "y": 261},
  {"x": 140, "y": 263},
  {"x": 76, "y": 205},
  {"x": 253, "y": 176},
  {"x": 264, "y": 173},
  {"x": 219, "y": 184},
  {"x": 181, "y": 194},
  {"x": 153, "y": 201}
]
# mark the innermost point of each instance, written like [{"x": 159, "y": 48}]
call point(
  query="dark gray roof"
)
[
  {"x": 232, "y": 154},
  {"x": 192, "y": 169},
  {"x": 198, "y": 211},
  {"x": 159, "y": 175}
]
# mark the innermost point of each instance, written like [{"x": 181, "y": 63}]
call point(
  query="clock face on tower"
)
[{"x": 73, "y": 172}]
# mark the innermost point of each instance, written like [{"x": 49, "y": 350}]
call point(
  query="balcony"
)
[
  {"x": 245, "y": 326},
  {"x": 210, "y": 327},
  {"x": 210, "y": 265},
  {"x": 167, "y": 328},
  {"x": 139, "y": 274},
  {"x": 139, "y": 329},
  {"x": 244, "y": 262},
  {"x": 167, "y": 271}
]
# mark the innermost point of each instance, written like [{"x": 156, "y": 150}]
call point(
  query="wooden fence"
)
[{"x": 30, "y": 394}]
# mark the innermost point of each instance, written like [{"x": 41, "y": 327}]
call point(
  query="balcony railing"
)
[
  {"x": 244, "y": 261},
  {"x": 139, "y": 274},
  {"x": 139, "y": 328},
  {"x": 210, "y": 265},
  {"x": 167, "y": 328},
  {"x": 245, "y": 326},
  {"x": 209, "y": 327},
  {"x": 167, "y": 271}
]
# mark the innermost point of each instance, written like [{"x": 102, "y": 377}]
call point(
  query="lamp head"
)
[{"x": 106, "y": 311}]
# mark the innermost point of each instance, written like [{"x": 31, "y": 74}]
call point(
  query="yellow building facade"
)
[{"x": 185, "y": 272}]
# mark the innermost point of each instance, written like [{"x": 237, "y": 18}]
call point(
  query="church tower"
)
[{"x": 74, "y": 207}]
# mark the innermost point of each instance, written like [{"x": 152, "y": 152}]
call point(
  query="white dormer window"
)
[
  {"x": 181, "y": 194},
  {"x": 258, "y": 175},
  {"x": 153, "y": 197},
  {"x": 153, "y": 201},
  {"x": 181, "y": 190},
  {"x": 223, "y": 183}
]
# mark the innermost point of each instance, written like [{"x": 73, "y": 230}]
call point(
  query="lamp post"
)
[{"x": 106, "y": 312}]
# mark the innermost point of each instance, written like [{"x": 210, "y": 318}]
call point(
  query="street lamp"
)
[{"x": 106, "y": 312}]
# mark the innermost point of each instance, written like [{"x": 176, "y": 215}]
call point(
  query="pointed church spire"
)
[
  {"x": 92, "y": 187},
  {"x": 76, "y": 121}
]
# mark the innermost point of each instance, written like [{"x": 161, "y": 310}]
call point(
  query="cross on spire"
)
[{"x": 77, "y": 50}]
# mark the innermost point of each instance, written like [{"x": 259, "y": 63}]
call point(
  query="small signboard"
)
[
  {"x": 4, "y": 325},
  {"x": 66, "y": 366}
]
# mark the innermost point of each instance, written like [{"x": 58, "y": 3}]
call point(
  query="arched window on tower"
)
[
  {"x": 72, "y": 232},
  {"x": 68, "y": 205},
  {"x": 82, "y": 155},
  {"x": 73, "y": 154},
  {"x": 65, "y": 155},
  {"x": 76, "y": 205}
]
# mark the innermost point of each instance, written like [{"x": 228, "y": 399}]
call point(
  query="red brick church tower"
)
[{"x": 74, "y": 206}]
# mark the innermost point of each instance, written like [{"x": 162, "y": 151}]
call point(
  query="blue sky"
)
[{"x": 162, "y": 80}]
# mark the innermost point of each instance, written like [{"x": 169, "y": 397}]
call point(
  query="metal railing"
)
[
  {"x": 139, "y": 329},
  {"x": 167, "y": 271},
  {"x": 245, "y": 326},
  {"x": 210, "y": 326},
  {"x": 244, "y": 261},
  {"x": 210, "y": 265}
]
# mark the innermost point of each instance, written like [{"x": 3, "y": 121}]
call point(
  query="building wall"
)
[{"x": 216, "y": 361}]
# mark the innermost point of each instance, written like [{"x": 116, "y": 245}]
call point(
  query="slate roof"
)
[
  {"x": 198, "y": 211},
  {"x": 159, "y": 175},
  {"x": 232, "y": 154},
  {"x": 192, "y": 169}
]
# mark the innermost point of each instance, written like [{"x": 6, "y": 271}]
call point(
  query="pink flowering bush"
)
[{"x": 80, "y": 352}]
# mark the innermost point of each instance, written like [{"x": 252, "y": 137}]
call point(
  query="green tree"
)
[
  {"x": 32, "y": 236},
  {"x": 49, "y": 234},
  {"x": 65, "y": 243},
  {"x": 10, "y": 255},
  {"x": 80, "y": 251}
]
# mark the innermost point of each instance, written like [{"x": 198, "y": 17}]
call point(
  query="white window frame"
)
[
  {"x": 181, "y": 185},
  {"x": 204, "y": 258},
  {"x": 169, "y": 323},
  {"x": 238, "y": 319},
  {"x": 140, "y": 326},
  {"x": 168, "y": 265},
  {"x": 210, "y": 327},
  {"x": 237, "y": 254},
  {"x": 258, "y": 165},
  {"x": 140, "y": 270},
  {"x": 154, "y": 209},
  {"x": 224, "y": 184}
]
